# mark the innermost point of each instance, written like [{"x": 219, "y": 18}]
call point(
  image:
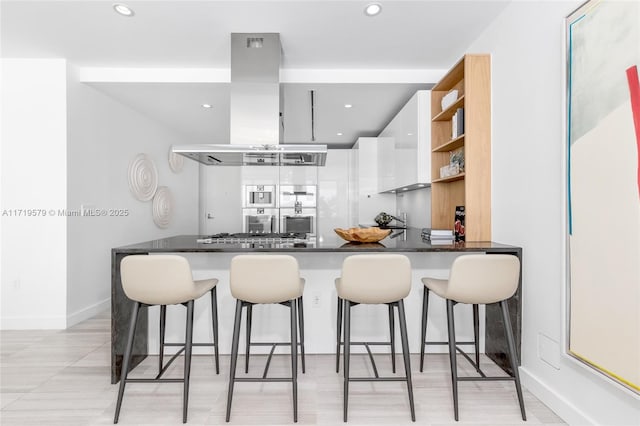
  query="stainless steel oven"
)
[
  {"x": 260, "y": 196},
  {"x": 260, "y": 220},
  {"x": 298, "y": 220},
  {"x": 298, "y": 196}
]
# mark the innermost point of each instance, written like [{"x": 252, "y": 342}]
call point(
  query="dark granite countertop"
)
[{"x": 400, "y": 240}]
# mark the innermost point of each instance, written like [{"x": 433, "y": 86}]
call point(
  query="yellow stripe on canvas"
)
[{"x": 615, "y": 376}]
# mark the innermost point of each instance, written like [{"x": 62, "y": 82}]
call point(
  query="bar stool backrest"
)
[
  {"x": 483, "y": 278},
  {"x": 375, "y": 278},
  {"x": 265, "y": 278},
  {"x": 157, "y": 280}
]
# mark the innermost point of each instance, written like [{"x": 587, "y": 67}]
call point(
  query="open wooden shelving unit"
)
[{"x": 471, "y": 76}]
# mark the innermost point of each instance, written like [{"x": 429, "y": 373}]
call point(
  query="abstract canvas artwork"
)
[{"x": 603, "y": 140}]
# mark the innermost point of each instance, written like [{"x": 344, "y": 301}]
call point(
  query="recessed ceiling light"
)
[
  {"x": 405, "y": 189},
  {"x": 421, "y": 185},
  {"x": 348, "y": 105},
  {"x": 123, "y": 9},
  {"x": 393, "y": 192},
  {"x": 409, "y": 134},
  {"x": 206, "y": 105},
  {"x": 372, "y": 9},
  {"x": 339, "y": 133}
]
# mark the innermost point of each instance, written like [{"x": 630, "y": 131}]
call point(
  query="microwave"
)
[
  {"x": 259, "y": 196},
  {"x": 298, "y": 221}
]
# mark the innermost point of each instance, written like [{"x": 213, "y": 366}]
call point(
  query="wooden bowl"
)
[{"x": 363, "y": 235}]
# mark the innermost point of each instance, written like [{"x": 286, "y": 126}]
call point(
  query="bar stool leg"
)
[
  {"x": 406, "y": 355},
  {"x": 338, "y": 334},
  {"x": 392, "y": 332},
  {"x": 248, "y": 338},
  {"x": 347, "y": 353},
  {"x": 425, "y": 309},
  {"x": 513, "y": 358},
  {"x": 476, "y": 335},
  {"x": 300, "y": 303},
  {"x": 452, "y": 356},
  {"x": 294, "y": 359},
  {"x": 188, "y": 342},
  {"x": 126, "y": 360},
  {"x": 163, "y": 323},
  {"x": 234, "y": 355},
  {"x": 214, "y": 320}
]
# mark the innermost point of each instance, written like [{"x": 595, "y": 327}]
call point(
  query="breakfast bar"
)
[{"x": 328, "y": 250}]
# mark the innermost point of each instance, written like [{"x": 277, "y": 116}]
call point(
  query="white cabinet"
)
[
  {"x": 335, "y": 192},
  {"x": 369, "y": 201},
  {"x": 404, "y": 148}
]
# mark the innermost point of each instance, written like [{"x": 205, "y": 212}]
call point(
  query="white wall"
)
[
  {"x": 104, "y": 136},
  {"x": 528, "y": 195},
  {"x": 34, "y": 177},
  {"x": 65, "y": 145}
]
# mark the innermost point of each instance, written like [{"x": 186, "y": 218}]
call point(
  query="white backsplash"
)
[{"x": 417, "y": 205}]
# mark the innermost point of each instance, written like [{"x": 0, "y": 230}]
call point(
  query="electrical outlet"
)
[{"x": 315, "y": 300}]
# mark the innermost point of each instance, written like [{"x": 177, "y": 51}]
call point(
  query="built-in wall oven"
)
[
  {"x": 260, "y": 196},
  {"x": 298, "y": 208},
  {"x": 260, "y": 220},
  {"x": 298, "y": 220}
]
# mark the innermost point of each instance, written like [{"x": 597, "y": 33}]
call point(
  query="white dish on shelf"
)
[{"x": 449, "y": 99}]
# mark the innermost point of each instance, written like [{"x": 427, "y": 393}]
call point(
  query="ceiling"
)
[{"x": 318, "y": 38}]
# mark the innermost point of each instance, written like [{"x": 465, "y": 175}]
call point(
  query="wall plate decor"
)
[
  {"x": 162, "y": 207},
  {"x": 603, "y": 189},
  {"x": 176, "y": 161},
  {"x": 143, "y": 177}
]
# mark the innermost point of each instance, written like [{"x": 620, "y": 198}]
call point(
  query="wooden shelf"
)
[
  {"x": 451, "y": 145},
  {"x": 471, "y": 77},
  {"x": 455, "y": 74},
  {"x": 446, "y": 114},
  {"x": 453, "y": 178}
]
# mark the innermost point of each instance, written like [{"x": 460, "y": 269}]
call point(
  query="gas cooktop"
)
[{"x": 254, "y": 237}]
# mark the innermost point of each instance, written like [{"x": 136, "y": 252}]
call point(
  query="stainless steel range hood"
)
[
  {"x": 261, "y": 155},
  {"x": 255, "y": 111}
]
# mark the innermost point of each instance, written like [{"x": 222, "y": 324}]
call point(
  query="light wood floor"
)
[{"x": 62, "y": 378}]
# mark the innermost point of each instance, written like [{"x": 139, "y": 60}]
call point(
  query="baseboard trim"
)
[
  {"x": 54, "y": 323},
  {"x": 552, "y": 399},
  {"x": 33, "y": 323},
  {"x": 88, "y": 312}
]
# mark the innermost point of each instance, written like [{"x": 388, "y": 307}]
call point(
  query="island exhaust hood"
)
[{"x": 255, "y": 111}]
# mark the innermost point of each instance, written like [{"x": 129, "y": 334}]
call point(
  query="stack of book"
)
[
  {"x": 438, "y": 236},
  {"x": 457, "y": 123}
]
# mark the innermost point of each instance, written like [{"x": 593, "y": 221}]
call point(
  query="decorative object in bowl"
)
[{"x": 363, "y": 235}]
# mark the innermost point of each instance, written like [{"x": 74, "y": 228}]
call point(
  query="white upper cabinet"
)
[{"x": 404, "y": 157}]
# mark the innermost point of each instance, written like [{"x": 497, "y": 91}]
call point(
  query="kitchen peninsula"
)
[{"x": 320, "y": 260}]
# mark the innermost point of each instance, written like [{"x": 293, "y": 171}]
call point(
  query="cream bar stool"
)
[
  {"x": 391, "y": 342},
  {"x": 164, "y": 280},
  {"x": 478, "y": 279},
  {"x": 375, "y": 279},
  {"x": 265, "y": 279},
  {"x": 248, "y": 344}
]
